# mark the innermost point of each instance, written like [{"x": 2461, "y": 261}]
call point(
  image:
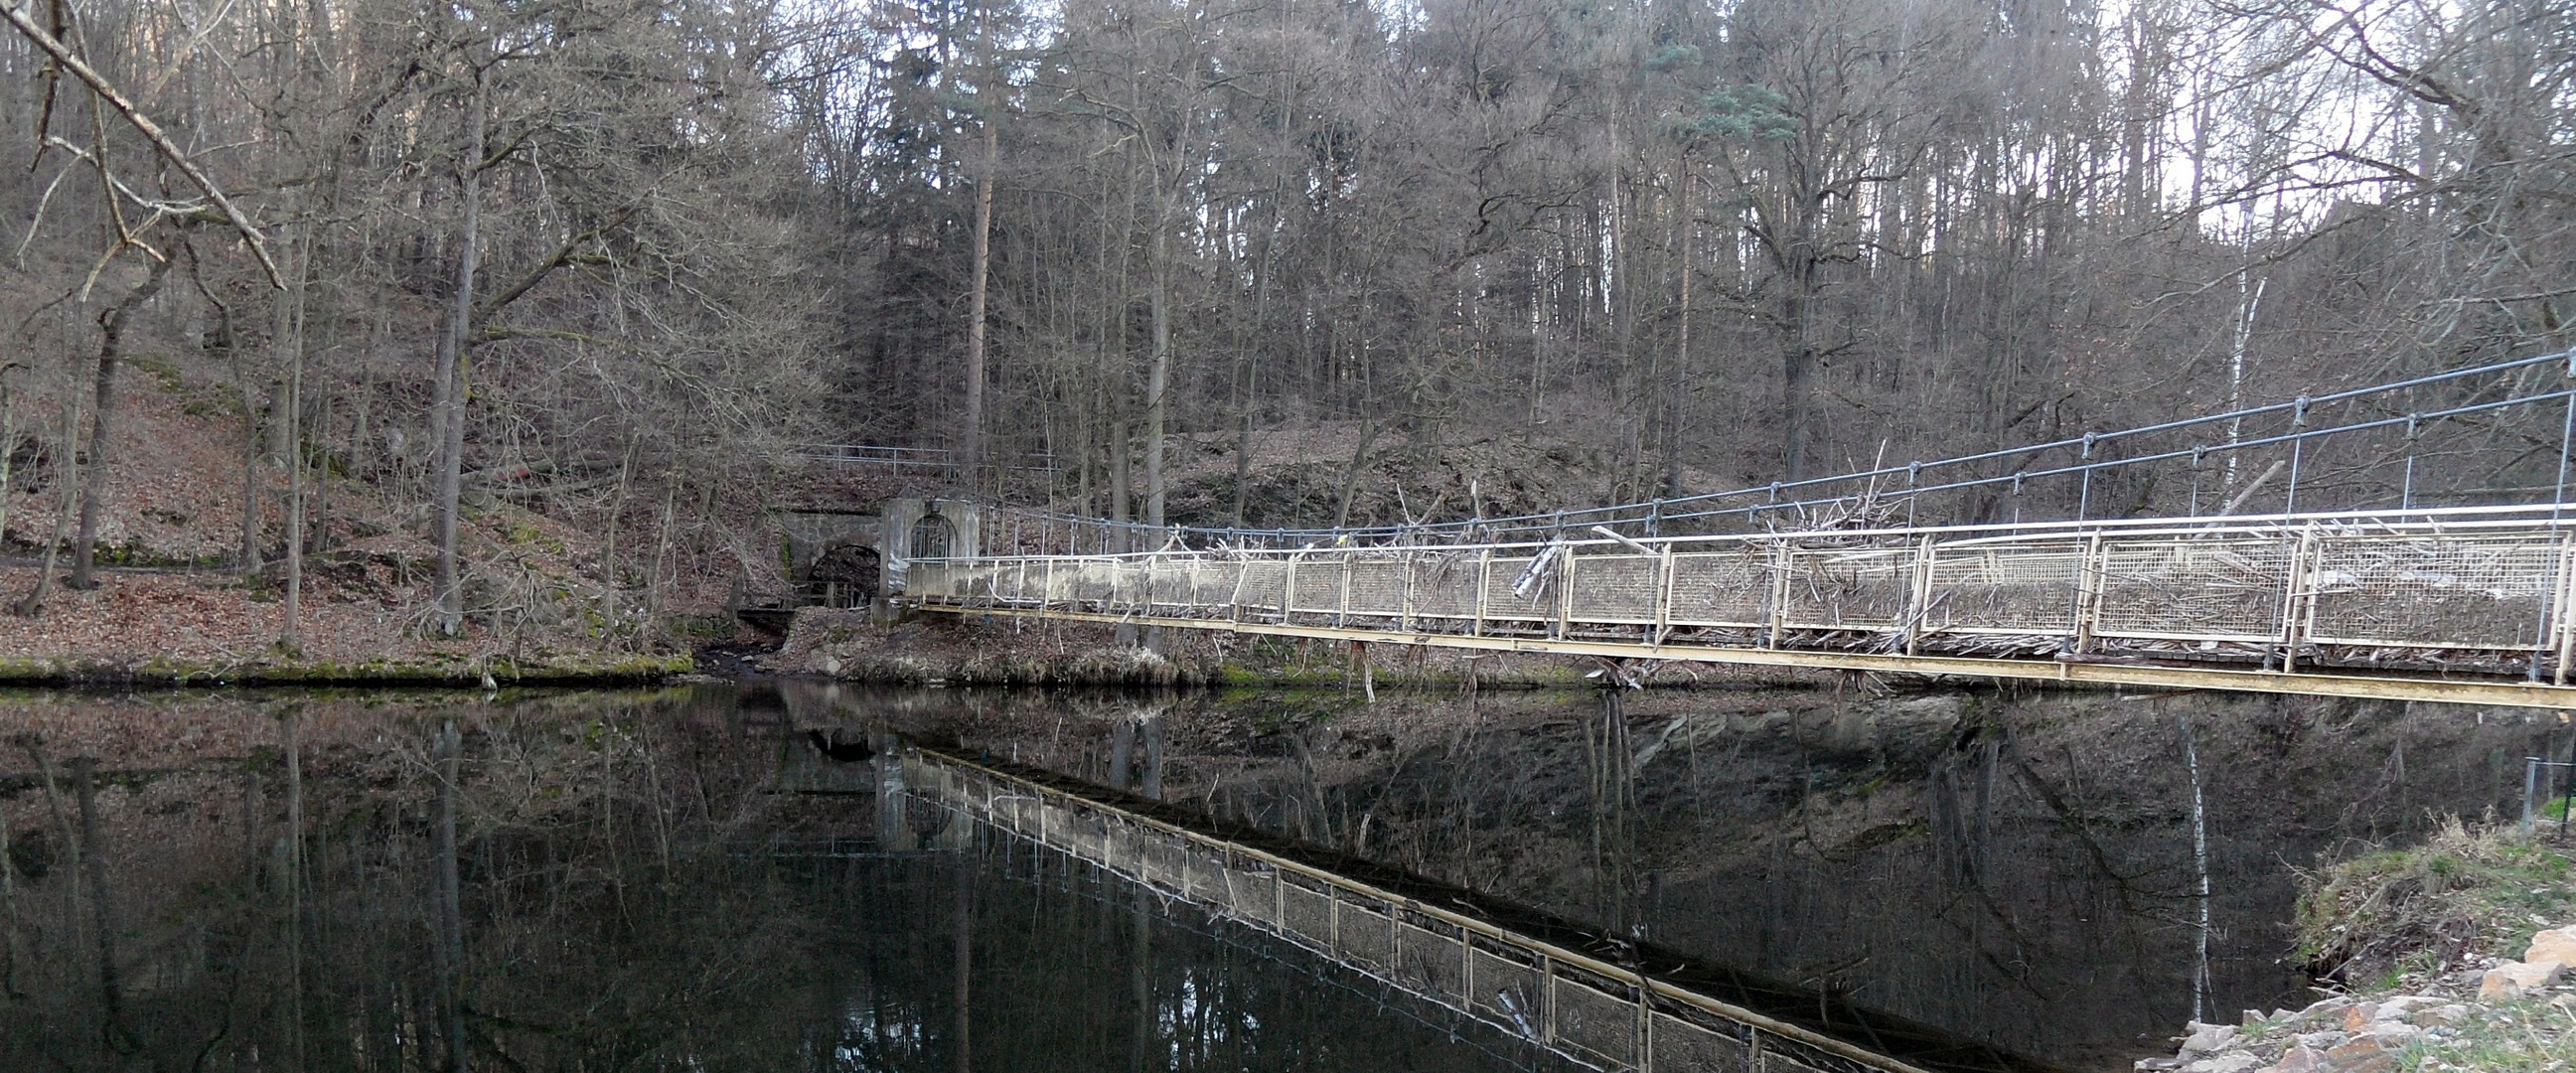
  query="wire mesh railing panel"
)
[
  {"x": 1367, "y": 937},
  {"x": 1431, "y": 962},
  {"x": 1122, "y": 849},
  {"x": 1318, "y": 587},
  {"x": 1377, "y": 587},
  {"x": 1601, "y": 1024},
  {"x": 1503, "y": 604},
  {"x": 1255, "y": 887},
  {"x": 1166, "y": 854},
  {"x": 1264, "y": 587},
  {"x": 1849, "y": 588},
  {"x": 2004, "y": 588},
  {"x": 1617, "y": 588},
  {"x": 1074, "y": 584},
  {"x": 1306, "y": 914},
  {"x": 2213, "y": 590},
  {"x": 1679, "y": 1044},
  {"x": 1506, "y": 992},
  {"x": 1209, "y": 876},
  {"x": 1081, "y": 832},
  {"x": 1444, "y": 586},
  {"x": 2418, "y": 592},
  {"x": 1212, "y": 585},
  {"x": 1728, "y": 587}
]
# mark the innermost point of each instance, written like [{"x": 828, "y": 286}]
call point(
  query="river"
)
[{"x": 687, "y": 878}]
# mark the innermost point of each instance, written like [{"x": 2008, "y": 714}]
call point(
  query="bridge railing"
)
[{"x": 2476, "y": 589}]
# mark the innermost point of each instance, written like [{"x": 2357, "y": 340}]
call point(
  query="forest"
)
[{"x": 622, "y": 263}]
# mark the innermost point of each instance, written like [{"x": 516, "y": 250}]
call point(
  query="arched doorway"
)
[
  {"x": 849, "y": 575},
  {"x": 932, "y": 536}
]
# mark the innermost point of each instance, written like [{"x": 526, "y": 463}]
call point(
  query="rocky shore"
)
[{"x": 2414, "y": 934}]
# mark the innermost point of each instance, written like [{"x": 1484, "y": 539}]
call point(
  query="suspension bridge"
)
[{"x": 2359, "y": 570}]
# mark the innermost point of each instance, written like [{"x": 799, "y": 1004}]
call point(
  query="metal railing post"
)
[
  {"x": 1663, "y": 599},
  {"x": 2530, "y": 789},
  {"x": 1565, "y": 592},
  {"x": 1780, "y": 560},
  {"x": 2296, "y": 582},
  {"x": 1920, "y": 606},
  {"x": 1484, "y": 584},
  {"x": 1342, "y": 610},
  {"x": 2090, "y": 574}
]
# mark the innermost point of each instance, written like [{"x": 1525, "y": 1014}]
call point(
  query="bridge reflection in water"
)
[
  {"x": 2468, "y": 605},
  {"x": 1573, "y": 1003}
]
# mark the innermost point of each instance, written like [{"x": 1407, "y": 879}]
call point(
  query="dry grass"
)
[{"x": 2386, "y": 918}]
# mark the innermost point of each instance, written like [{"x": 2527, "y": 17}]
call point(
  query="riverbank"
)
[
  {"x": 2450, "y": 959},
  {"x": 173, "y": 628}
]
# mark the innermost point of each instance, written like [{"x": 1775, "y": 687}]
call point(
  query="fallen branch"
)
[{"x": 151, "y": 131}]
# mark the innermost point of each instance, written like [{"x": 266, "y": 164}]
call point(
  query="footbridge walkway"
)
[
  {"x": 2467, "y": 605},
  {"x": 2319, "y": 545}
]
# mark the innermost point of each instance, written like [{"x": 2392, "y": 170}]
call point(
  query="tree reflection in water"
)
[{"x": 632, "y": 891}]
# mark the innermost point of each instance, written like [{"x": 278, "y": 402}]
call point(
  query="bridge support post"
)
[{"x": 2565, "y": 623}]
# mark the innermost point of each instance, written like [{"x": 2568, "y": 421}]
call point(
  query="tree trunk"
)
[
  {"x": 291, "y": 337},
  {"x": 1158, "y": 380},
  {"x": 454, "y": 346},
  {"x": 102, "y": 428},
  {"x": 970, "y": 456}
]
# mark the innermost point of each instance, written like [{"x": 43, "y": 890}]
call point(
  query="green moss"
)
[{"x": 437, "y": 669}]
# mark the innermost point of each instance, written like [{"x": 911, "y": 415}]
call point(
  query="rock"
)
[
  {"x": 2363, "y": 1055},
  {"x": 2299, "y": 1059},
  {"x": 2325, "y": 1006},
  {"x": 2556, "y": 944},
  {"x": 2356, "y": 1019},
  {"x": 2237, "y": 1062},
  {"x": 2327, "y": 1040},
  {"x": 2395, "y": 1009},
  {"x": 2513, "y": 978},
  {"x": 1915, "y": 729},
  {"x": 2156, "y": 1065},
  {"x": 2394, "y": 1033},
  {"x": 2206, "y": 1039},
  {"x": 2446, "y": 1014}
]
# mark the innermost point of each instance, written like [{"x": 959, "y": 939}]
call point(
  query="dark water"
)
[
  {"x": 632, "y": 892},
  {"x": 2015, "y": 868}
]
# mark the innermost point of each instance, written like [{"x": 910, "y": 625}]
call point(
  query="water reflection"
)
[
  {"x": 2015, "y": 868},
  {"x": 592, "y": 881}
]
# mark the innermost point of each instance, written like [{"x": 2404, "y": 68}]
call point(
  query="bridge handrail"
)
[{"x": 2429, "y": 520}]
